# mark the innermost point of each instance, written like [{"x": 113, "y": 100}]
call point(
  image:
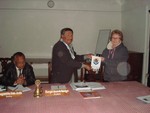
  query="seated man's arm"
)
[
  {"x": 29, "y": 77},
  {"x": 8, "y": 78}
]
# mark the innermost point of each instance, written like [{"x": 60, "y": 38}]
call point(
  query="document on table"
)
[
  {"x": 19, "y": 88},
  {"x": 82, "y": 86},
  {"x": 95, "y": 85},
  {"x": 2, "y": 88},
  {"x": 58, "y": 87},
  {"x": 145, "y": 99}
]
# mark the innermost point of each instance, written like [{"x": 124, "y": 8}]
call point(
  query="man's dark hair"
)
[
  {"x": 64, "y": 30},
  {"x": 18, "y": 54}
]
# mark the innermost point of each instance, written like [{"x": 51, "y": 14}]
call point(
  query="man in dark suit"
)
[
  {"x": 64, "y": 59},
  {"x": 18, "y": 72}
]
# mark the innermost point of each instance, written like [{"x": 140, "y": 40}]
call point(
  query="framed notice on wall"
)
[{"x": 102, "y": 41}]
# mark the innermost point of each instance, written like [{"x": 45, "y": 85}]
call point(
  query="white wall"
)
[
  {"x": 135, "y": 26},
  {"x": 33, "y": 28}
]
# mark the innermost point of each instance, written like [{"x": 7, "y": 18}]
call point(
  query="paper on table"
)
[
  {"x": 19, "y": 88},
  {"x": 95, "y": 85},
  {"x": 82, "y": 86},
  {"x": 96, "y": 62},
  {"x": 2, "y": 88},
  {"x": 58, "y": 87},
  {"x": 145, "y": 99}
]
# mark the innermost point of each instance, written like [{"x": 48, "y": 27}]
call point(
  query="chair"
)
[
  {"x": 4, "y": 62},
  {"x": 44, "y": 79},
  {"x": 148, "y": 80},
  {"x": 92, "y": 76},
  {"x": 49, "y": 71}
]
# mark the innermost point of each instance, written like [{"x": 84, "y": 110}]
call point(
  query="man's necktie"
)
[
  {"x": 71, "y": 51},
  {"x": 20, "y": 72}
]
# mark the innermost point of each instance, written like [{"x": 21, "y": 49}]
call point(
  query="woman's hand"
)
[{"x": 102, "y": 59}]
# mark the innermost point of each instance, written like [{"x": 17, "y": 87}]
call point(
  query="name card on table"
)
[
  {"x": 57, "y": 90},
  {"x": 10, "y": 94}
]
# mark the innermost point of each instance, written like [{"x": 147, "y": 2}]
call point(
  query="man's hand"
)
[
  {"x": 20, "y": 80},
  {"x": 89, "y": 56},
  {"x": 87, "y": 67}
]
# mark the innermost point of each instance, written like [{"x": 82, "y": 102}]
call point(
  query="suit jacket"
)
[
  {"x": 10, "y": 75},
  {"x": 63, "y": 65}
]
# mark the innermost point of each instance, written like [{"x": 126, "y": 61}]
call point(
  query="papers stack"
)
[
  {"x": 86, "y": 86},
  {"x": 2, "y": 88},
  {"x": 19, "y": 88},
  {"x": 58, "y": 87},
  {"x": 145, "y": 99}
]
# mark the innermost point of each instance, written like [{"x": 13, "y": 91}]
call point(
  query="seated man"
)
[
  {"x": 64, "y": 59},
  {"x": 18, "y": 72}
]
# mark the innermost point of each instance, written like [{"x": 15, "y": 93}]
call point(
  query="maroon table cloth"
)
[{"x": 118, "y": 97}]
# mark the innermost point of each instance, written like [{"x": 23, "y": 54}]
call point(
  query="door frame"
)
[{"x": 146, "y": 48}]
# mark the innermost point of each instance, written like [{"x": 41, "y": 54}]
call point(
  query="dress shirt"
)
[
  {"x": 70, "y": 48},
  {"x": 18, "y": 71}
]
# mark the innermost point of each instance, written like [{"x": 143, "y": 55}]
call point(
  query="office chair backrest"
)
[{"x": 3, "y": 63}]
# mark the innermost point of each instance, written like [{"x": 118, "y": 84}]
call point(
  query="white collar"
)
[
  {"x": 69, "y": 47},
  {"x": 109, "y": 45}
]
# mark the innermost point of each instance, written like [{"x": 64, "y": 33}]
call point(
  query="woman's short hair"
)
[{"x": 117, "y": 32}]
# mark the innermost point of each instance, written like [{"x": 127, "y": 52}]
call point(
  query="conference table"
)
[{"x": 118, "y": 97}]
